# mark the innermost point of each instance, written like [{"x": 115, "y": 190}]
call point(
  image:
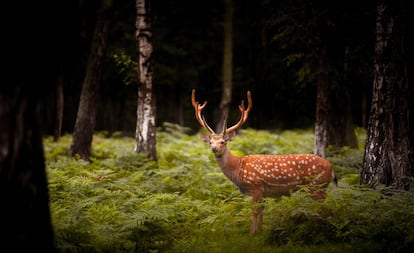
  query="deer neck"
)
[{"x": 229, "y": 164}]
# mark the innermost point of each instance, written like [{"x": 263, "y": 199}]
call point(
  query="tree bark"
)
[
  {"x": 364, "y": 109},
  {"x": 146, "y": 129},
  {"x": 86, "y": 117},
  {"x": 322, "y": 107},
  {"x": 388, "y": 150},
  {"x": 59, "y": 108},
  {"x": 25, "y": 222},
  {"x": 341, "y": 127},
  {"x": 227, "y": 65}
]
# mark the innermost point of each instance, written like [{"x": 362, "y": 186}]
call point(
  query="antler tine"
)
[
  {"x": 244, "y": 113},
  {"x": 198, "y": 108}
]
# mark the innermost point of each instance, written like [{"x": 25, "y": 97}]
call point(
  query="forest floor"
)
[{"x": 123, "y": 202}]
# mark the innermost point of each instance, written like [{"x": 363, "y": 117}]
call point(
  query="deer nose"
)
[{"x": 214, "y": 149}]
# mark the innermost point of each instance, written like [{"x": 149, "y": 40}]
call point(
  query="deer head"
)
[{"x": 218, "y": 141}]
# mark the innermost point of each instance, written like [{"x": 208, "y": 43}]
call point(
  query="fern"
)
[{"x": 123, "y": 202}]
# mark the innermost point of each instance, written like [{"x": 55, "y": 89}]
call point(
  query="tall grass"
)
[{"x": 123, "y": 202}]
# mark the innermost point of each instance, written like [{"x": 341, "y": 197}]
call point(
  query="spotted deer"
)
[{"x": 265, "y": 175}]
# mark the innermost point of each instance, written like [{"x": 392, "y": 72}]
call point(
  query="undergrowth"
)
[{"x": 123, "y": 202}]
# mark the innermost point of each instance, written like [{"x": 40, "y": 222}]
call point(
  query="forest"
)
[
  {"x": 272, "y": 60},
  {"x": 100, "y": 135}
]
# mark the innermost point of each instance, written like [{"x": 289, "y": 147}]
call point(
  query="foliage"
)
[
  {"x": 127, "y": 67},
  {"x": 122, "y": 202}
]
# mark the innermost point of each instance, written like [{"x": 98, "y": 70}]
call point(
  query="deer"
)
[{"x": 265, "y": 175}]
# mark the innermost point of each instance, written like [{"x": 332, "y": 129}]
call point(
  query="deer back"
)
[{"x": 276, "y": 175}]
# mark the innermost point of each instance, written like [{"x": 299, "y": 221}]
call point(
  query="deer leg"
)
[
  {"x": 253, "y": 227},
  {"x": 319, "y": 195},
  {"x": 318, "y": 187},
  {"x": 257, "y": 213}
]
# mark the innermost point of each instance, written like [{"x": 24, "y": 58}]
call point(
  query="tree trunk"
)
[
  {"x": 364, "y": 109},
  {"x": 322, "y": 107},
  {"x": 262, "y": 67},
  {"x": 146, "y": 128},
  {"x": 86, "y": 117},
  {"x": 388, "y": 151},
  {"x": 25, "y": 222},
  {"x": 227, "y": 65},
  {"x": 59, "y": 108},
  {"x": 341, "y": 127}
]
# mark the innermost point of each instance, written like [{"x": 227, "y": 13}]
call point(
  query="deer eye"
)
[{"x": 222, "y": 142}]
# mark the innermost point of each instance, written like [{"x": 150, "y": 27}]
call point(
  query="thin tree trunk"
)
[
  {"x": 227, "y": 65},
  {"x": 146, "y": 129},
  {"x": 86, "y": 117},
  {"x": 59, "y": 108},
  {"x": 261, "y": 64},
  {"x": 341, "y": 127},
  {"x": 322, "y": 107},
  {"x": 364, "y": 109}
]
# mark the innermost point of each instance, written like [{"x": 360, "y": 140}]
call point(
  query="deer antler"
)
[
  {"x": 198, "y": 108},
  {"x": 244, "y": 114}
]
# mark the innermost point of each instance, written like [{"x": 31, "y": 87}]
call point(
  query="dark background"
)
[{"x": 274, "y": 56}]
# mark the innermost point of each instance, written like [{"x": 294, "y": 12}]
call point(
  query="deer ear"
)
[
  {"x": 230, "y": 136},
  {"x": 205, "y": 137}
]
